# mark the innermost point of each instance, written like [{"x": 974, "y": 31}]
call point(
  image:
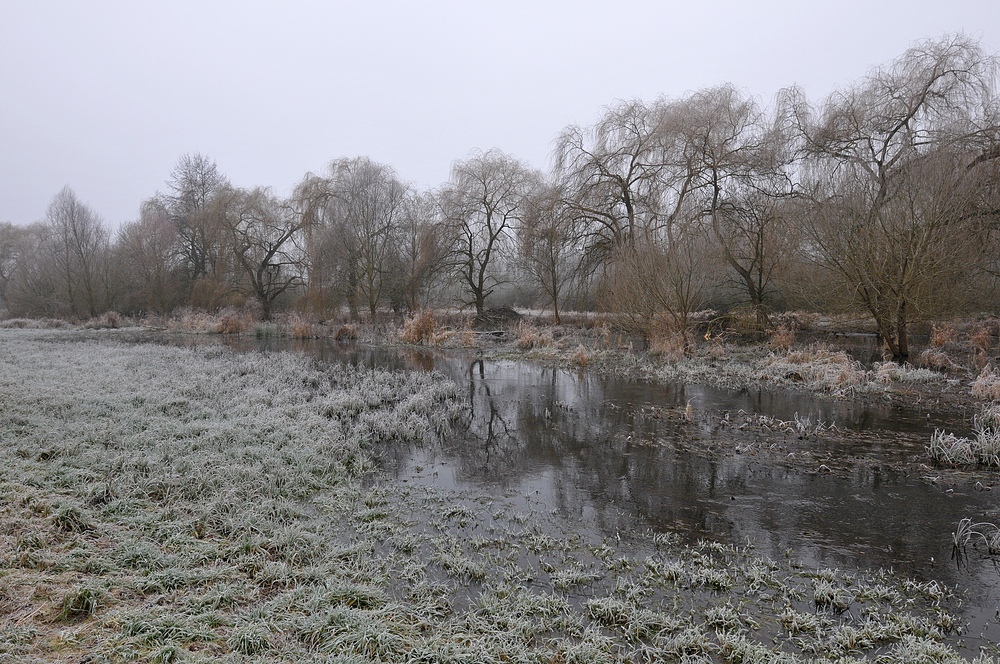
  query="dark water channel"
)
[{"x": 617, "y": 456}]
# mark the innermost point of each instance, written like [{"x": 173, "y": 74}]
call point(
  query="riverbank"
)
[
  {"x": 197, "y": 504},
  {"x": 954, "y": 367}
]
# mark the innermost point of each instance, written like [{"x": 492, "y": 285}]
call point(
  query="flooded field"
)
[
  {"x": 826, "y": 482},
  {"x": 176, "y": 501}
]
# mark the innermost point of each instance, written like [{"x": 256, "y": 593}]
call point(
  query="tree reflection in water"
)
[{"x": 613, "y": 456}]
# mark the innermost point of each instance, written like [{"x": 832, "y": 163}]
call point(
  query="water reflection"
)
[{"x": 616, "y": 456}]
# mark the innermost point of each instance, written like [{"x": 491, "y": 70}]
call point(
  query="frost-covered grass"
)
[
  {"x": 981, "y": 450},
  {"x": 168, "y": 504},
  {"x": 816, "y": 368}
]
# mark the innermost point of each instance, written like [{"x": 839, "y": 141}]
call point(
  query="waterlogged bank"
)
[{"x": 185, "y": 504}]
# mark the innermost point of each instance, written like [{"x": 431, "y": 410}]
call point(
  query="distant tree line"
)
[{"x": 882, "y": 198}]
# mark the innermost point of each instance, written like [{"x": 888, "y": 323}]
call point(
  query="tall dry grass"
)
[
  {"x": 943, "y": 335},
  {"x": 528, "y": 336},
  {"x": 781, "y": 338},
  {"x": 421, "y": 328}
]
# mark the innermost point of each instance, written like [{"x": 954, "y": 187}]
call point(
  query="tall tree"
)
[
  {"x": 310, "y": 199},
  {"x": 741, "y": 177},
  {"x": 482, "y": 204},
  {"x": 12, "y": 240},
  {"x": 420, "y": 258},
  {"x": 549, "y": 244},
  {"x": 194, "y": 186},
  {"x": 147, "y": 252},
  {"x": 78, "y": 246},
  {"x": 263, "y": 232},
  {"x": 890, "y": 163},
  {"x": 368, "y": 203},
  {"x": 611, "y": 173},
  {"x": 351, "y": 219}
]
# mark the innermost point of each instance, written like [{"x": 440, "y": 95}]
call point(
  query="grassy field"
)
[{"x": 169, "y": 504}]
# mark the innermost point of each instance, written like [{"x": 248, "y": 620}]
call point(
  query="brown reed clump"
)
[
  {"x": 932, "y": 358},
  {"x": 300, "y": 328},
  {"x": 420, "y": 329},
  {"x": 346, "y": 332},
  {"x": 229, "y": 323},
  {"x": 529, "y": 336},
  {"x": 981, "y": 338},
  {"x": 781, "y": 338},
  {"x": 668, "y": 346},
  {"x": 942, "y": 335}
]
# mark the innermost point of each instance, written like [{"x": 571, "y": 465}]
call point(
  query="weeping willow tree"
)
[{"x": 892, "y": 165}]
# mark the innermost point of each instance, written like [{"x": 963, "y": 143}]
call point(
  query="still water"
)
[{"x": 616, "y": 456}]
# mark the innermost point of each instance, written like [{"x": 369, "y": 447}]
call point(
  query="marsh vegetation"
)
[{"x": 198, "y": 504}]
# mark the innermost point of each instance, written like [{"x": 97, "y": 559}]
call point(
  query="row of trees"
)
[{"x": 883, "y": 197}]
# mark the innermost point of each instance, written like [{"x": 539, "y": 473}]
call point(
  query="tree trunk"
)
[{"x": 902, "y": 343}]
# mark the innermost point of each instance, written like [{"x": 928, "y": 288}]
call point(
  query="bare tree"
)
[
  {"x": 757, "y": 239},
  {"x": 611, "y": 173},
  {"x": 890, "y": 161},
  {"x": 193, "y": 186},
  {"x": 263, "y": 233},
  {"x": 550, "y": 244},
  {"x": 909, "y": 258},
  {"x": 78, "y": 245},
  {"x": 310, "y": 200},
  {"x": 147, "y": 253},
  {"x": 420, "y": 257},
  {"x": 352, "y": 219},
  {"x": 741, "y": 176},
  {"x": 33, "y": 287},
  {"x": 482, "y": 204},
  {"x": 12, "y": 248},
  {"x": 368, "y": 203}
]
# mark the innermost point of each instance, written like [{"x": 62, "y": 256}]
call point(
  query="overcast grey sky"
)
[{"x": 105, "y": 96}]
